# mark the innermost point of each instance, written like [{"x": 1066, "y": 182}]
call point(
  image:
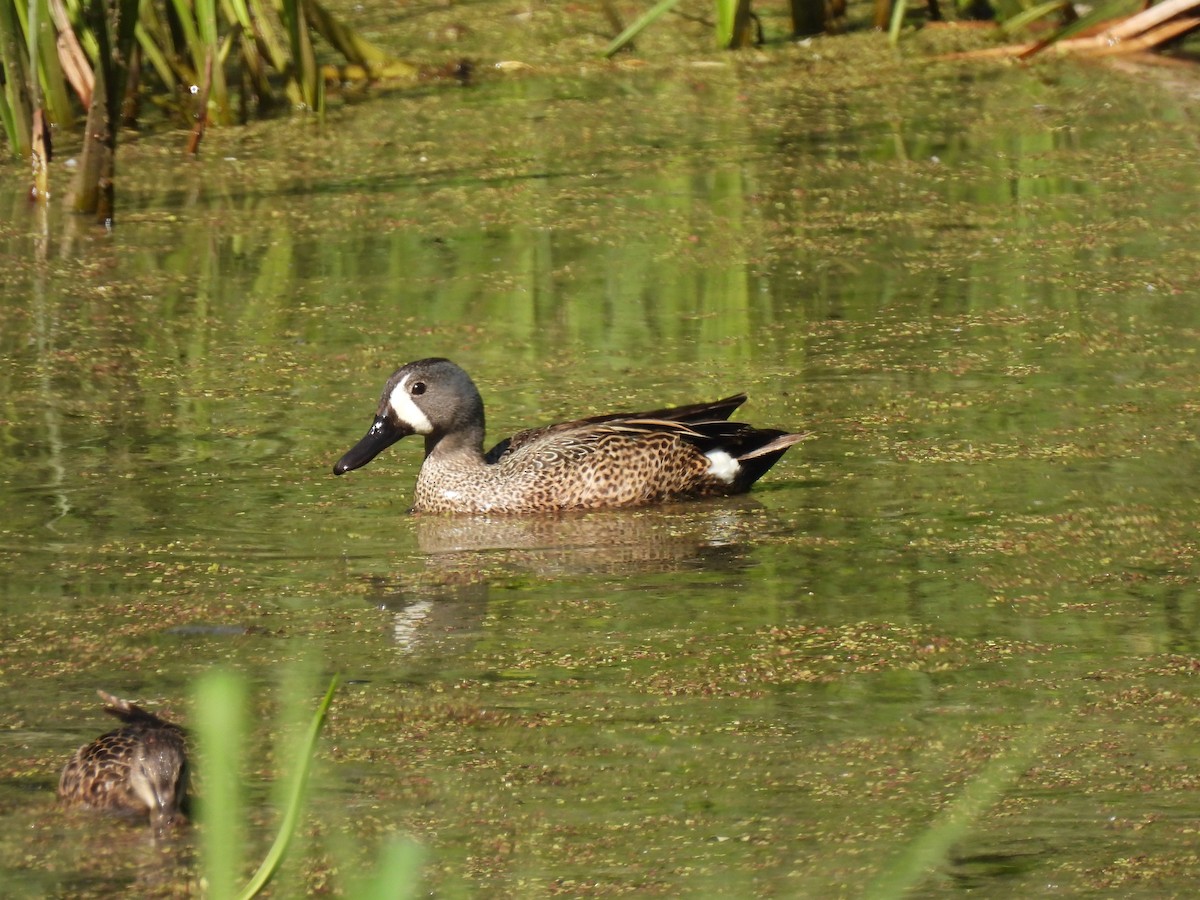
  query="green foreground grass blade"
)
[
  {"x": 219, "y": 723},
  {"x": 396, "y": 875},
  {"x": 930, "y": 849},
  {"x": 291, "y": 816},
  {"x": 648, "y": 17},
  {"x": 304, "y": 72}
]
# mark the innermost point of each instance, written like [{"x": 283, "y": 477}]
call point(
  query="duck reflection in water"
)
[{"x": 447, "y": 600}]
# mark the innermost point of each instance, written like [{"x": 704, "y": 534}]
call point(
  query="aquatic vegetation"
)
[
  {"x": 737, "y": 25},
  {"x": 213, "y": 63},
  {"x": 1115, "y": 27}
]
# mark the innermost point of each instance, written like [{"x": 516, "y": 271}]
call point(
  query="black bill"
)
[{"x": 382, "y": 434}]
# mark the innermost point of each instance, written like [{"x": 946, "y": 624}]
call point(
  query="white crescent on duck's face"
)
[{"x": 401, "y": 403}]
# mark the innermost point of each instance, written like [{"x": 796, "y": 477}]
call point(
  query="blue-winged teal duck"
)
[
  {"x": 140, "y": 769},
  {"x": 607, "y": 461}
]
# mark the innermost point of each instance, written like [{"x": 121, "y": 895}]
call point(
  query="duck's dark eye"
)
[{"x": 418, "y": 388}]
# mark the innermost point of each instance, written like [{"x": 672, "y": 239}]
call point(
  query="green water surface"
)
[{"x": 978, "y": 287}]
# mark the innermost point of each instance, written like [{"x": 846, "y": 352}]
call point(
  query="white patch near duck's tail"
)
[{"x": 722, "y": 466}]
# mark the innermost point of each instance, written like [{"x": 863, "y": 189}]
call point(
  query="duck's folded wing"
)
[{"x": 713, "y": 411}]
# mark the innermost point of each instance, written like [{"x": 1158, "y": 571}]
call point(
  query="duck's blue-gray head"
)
[{"x": 431, "y": 397}]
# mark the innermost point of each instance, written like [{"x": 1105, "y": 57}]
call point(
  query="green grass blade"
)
[
  {"x": 899, "y": 8},
  {"x": 8, "y": 122},
  {"x": 258, "y": 48},
  {"x": 639, "y": 25},
  {"x": 17, "y": 121},
  {"x": 57, "y": 98},
  {"x": 304, "y": 58},
  {"x": 189, "y": 38},
  {"x": 353, "y": 46},
  {"x": 1027, "y": 17},
  {"x": 265, "y": 30},
  {"x": 727, "y": 11},
  {"x": 291, "y": 816},
  {"x": 930, "y": 849},
  {"x": 397, "y": 873},
  {"x": 154, "y": 55},
  {"x": 220, "y": 702},
  {"x": 211, "y": 46}
]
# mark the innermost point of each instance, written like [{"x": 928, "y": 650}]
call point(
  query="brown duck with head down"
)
[
  {"x": 608, "y": 461},
  {"x": 140, "y": 769}
]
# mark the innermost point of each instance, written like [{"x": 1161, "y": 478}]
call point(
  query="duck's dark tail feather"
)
[
  {"x": 131, "y": 713},
  {"x": 757, "y": 460},
  {"x": 777, "y": 445},
  {"x": 695, "y": 412}
]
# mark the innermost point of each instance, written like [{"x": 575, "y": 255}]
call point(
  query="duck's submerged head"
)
[
  {"x": 137, "y": 770},
  {"x": 431, "y": 397}
]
